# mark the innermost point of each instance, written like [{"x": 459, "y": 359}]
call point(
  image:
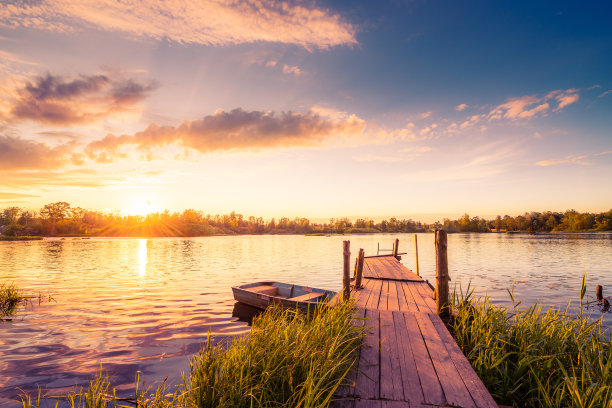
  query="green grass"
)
[
  {"x": 288, "y": 360},
  {"x": 21, "y": 238},
  {"x": 10, "y": 298},
  {"x": 534, "y": 357}
]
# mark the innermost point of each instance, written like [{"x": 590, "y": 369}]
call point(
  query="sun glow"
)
[{"x": 139, "y": 207}]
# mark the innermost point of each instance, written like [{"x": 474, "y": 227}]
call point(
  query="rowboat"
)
[{"x": 288, "y": 296}]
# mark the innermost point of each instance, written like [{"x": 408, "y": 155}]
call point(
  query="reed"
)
[
  {"x": 10, "y": 298},
  {"x": 535, "y": 357},
  {"x": 288, "y": 360}
]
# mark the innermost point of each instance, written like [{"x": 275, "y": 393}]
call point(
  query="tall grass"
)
[
  {"x": 531, "y": 357},
  {"x": 10, "y": 298},
  {"x": 288, "y": 360}
]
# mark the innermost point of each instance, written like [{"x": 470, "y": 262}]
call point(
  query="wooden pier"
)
[{"x": 408, "y": 358}]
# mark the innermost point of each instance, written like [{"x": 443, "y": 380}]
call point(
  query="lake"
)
[{"x": 146, "y": 305}]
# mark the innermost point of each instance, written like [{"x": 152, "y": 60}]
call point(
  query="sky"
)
[{"x": 307, "y": 108}]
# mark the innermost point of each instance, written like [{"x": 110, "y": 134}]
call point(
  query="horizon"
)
[{"x": 310, "y": 109}]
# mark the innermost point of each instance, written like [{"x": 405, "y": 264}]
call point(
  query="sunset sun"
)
[{"x": 139, "y": 206}]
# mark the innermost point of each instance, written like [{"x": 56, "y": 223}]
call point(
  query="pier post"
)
[
  {"x": 599, "y": 293},
  {"x": 359, "y": 269},
  {"x": 442, "y": 277},
  {"x": 346, "y": 278},
  {"x": 396, "y": 247},
  {"x": 416, "y": 255}
]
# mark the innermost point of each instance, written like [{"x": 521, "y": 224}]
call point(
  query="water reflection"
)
[
  {"x": 142, "y": 257},
  {"x": 102, "y": 314}
]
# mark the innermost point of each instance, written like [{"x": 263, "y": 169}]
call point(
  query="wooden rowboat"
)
[{"x": 263, "y": 294}]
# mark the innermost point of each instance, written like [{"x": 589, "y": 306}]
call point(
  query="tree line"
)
[{"x": 61, "y": 219}]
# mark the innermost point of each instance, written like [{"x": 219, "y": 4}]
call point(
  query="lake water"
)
[{"x": 147, "y": 304}]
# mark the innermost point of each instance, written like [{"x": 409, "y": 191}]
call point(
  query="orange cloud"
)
[
  {"x": 527, "y": 107},
  {"x": 291, "y": 69},
  {"x": 234, "y": 130},
  {"x": 58, "y": 101},
  {"x": 209, "y": 22},
  {"x": 20, "y": 154},
  {"x": 461, "y": 107}
]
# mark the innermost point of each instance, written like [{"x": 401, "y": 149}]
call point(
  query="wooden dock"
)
[{"x": 408, "y": 358}]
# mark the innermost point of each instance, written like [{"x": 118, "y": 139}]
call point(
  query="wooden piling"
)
[
  {"x": 346, "y": 278},
  {"x": 416, "y": 255},
  {"x": 396, "y": 247},
  {"x": 599, "y": 293},
  {"x": 442, "y": 277},
  {"x": 359, "y": 270}
]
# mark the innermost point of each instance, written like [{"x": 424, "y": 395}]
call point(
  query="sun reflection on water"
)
[{"x": 142, "y": 257}]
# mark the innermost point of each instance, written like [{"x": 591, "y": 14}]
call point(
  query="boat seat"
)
[
  {"x": 265, "y": 289},
  {"x": 307, "y": 296}
]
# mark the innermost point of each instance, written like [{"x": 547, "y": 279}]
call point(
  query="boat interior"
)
[{"x": 287, "y": 291}]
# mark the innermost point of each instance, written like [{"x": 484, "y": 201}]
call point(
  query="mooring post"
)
[
  {"x": 359, "y": 272},
  {"x": 599, "y": 293},
  {"x": 346, "y": 278},
  {"x": 395, "y": 247},
  {"x": 442, "y": 277},
  {"x": 416, "y": 255}
]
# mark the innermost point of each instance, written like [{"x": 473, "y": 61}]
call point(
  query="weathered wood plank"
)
[
  {"x": 432, "y": 391},
  {"x": 374, "y": 298},
  {"x": 368, "y": 377},
  {"x": 367, "y": 403},
  {"x": 362, "y": 295},
  {"x": 410, "y": 377},
  {"x": 478, "y": 391},
  {"x": 343, "y": 403},
  {"x": 410, "y": 302},
  {"x": 393, "y": 301},
  {"x": 427, "y": 295},
  {"x": 391, "y": 386},
  {"x": 454, "y": 389},
  {"x": 420, "y": 303},
  {"x": 430, "y": 385}
]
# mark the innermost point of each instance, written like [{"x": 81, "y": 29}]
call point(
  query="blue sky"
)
[{"x": 317, "y": 109}]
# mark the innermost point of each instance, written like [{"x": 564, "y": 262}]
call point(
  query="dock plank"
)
[
  {"x": 391, "y": 386},
  {"x": 454, "y": 389},
  {"x": 478, "y": 391},
  {"x": 430, "y": 384},
  {"x": 408, "y": 370},
  {"x": 368, "y": 376}
]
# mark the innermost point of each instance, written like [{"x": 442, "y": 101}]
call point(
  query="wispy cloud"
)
[
  {"x": 56, "y": 100},
  {"x": 579, "y": 160},
  {"x": 461, "y": 107},
  {"x": 11, "y": 196},
  {"x": 292, "y": 70},
  {"x": 208, "y": 22},
  {"x": 609, "y": 91},
  {"x": 406, "y": 154}
]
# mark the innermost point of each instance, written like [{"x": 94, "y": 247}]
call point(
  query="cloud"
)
[
  {"x": 425, "y": 115},
  {"x": 568, "y": 160},
  {"x": 54, "y": 100},
  {"x": 461, "y": 107},
  {"x": 234, "y": 130},
  {"x": 405, "y": 154},
  {"x": 10, "y": 196},
  {"x": 19, "y": 154},
  {"x": 609, "y": 91},
  {"x": 208, "y": 22},
  {"x": 527, "y": 107},
  {"x": 293, "y": 70}
]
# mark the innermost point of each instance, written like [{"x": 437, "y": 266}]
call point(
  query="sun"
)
[{"x": 140, "y": 206}]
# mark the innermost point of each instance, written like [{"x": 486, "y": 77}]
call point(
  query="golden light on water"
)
[{"x": 142, "y": 257}]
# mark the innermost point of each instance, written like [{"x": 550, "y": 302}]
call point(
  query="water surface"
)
[{"x": 147, "y": 304}]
